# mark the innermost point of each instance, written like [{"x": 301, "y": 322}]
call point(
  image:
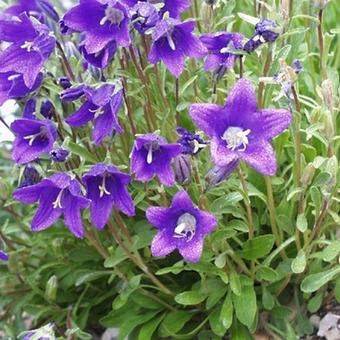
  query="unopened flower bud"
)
[
  {"x": 72, "y": 94},
  {"x": 327, "y": 92},
  {"x": 218, "y": 173},
  {"x": 47, "y": 109},
  {"x": 307, "y": 175},
  {"x": 30, "y": 176},
  {"x": 64, "y": 82},
  {"x": 59, "y": 155},
  {"x": 183, "y": 169},
  {"x": 51, "y": 288}
]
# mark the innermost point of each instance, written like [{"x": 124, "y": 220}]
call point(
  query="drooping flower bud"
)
[
  {"x": 47, "y": 109},
  {"x": 64, "y": 82},
  {"x": 218, "y": 173},
  {"x": 183, "y": 169},
  {"x": 59, "y": 155},
  {"x": 73, "y": 93},
  {"x": 30, "y": 176}
]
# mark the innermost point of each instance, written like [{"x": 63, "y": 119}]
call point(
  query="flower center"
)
[
  {"x": 186, "y": 227},
  {"x": 151, "y": 147},
  {"x": 42, "y": 134},
  {"x": 236, "y": 137},
  {"x": 102, "y": 188},
  {"x": 97, "y": 112},
  {"x": 57, "y": 203},
  {"x": 114, "y": 15},
  {"x": 28, "y": 45}
]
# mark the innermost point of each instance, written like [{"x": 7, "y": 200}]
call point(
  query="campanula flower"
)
[
  {"x": 107, "y": 188},
  {"x": 151, "y": 156},
  {"x": 33, "y": 138},
  {"x": 192, "y": 143},
  {"x": 183, "y": 169},
  {"x": 240, "y": 131},
  {"x": 219, "y": 174},
  {"x": 265, "y": 31},
  {"x": 144, "y": 16},
  {"x": 30, "y": 46},
  {"x": 12, "y": 86},
  {"x": 221, "y": 46},
  {"x": 59, "y": 155},
  {"x": 101, "y": 107},
  {"x": 3, "y": 256},
  {"x": 183, "y": 226},
  {"x": 30, "y": 176},
  {"x": 173, "y": 41},
  {"x": 29, "y": 109},
  {"x": 72, "y": 93},
  {"x": 47, "y": 109},
  {"x": 36, "y": 8},
  {"x": 57, "y": 195},
  {"x": 101, "y": 22},
  {"x": 174, "y": 7},
  {"x": 64, "y": 82}
]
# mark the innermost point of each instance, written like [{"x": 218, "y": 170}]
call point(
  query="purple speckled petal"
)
[
  {"x": 158, "y": 216},
  {"x": 162, "y": 244},
  {"x": 29, "y": 194},
  {"x": 207, "y": 222},
  {"x": 261, "y": 157},
  {"x": 220, "y": 154},
  {"x": 182, "y": 201},
  {"x": 82, "y": 116},
  {"x": 192, "y": 251}
]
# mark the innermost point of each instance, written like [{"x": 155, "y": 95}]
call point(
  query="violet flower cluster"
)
[{"x": 237, "y": 131}]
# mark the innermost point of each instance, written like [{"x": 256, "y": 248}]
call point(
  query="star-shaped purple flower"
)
[
  {"x": 182, "y": 226},
  {"x": 101, "y": 21},
  {"x": 240, "y": 131},
  {"x": 57, "y": 195},
  {"x": 30, "y": 46},
  {"x": 173, "y": 41},
  {"x": 152, "y": 156},
  {"x": 220, "y": 46},
  {"x": 107, "y": 188},
  {"x": 101, "y": 106},
  {"x": 3, "y": 256},
  {"x": 33, "y": 138}
]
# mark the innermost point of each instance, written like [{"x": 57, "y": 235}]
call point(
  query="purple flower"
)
[
  {"x": 29, "y": 109},
  {"x": 239, "y": 131},
  {"x": 12, "y": 86},
  {"x": 33, "y": 8},
  {"x": 144, "y": 16},
  {"x": 101, "y": 21},
  {"x": 107, "y": 188},
  {"x": 219, "y": 174},
  {"x": 64, "y": 82},
  {"x": 33, "y": 138},
  {"x": 73, "y": 93},
  {"x": 220, "y": 46},
  {"x": 47, "y": 109},
  {"x": 3, "y": 256},
  {"x": 183, "y": 169},
  {"x": 57, "y": 195},
  {"x": 59, "y": 155},
  {"x": 173, "y": 41},
  {"x": 30, "y": 176},
  {"x": 151, "y": 156},
  {"x": 182, "y": 226},
  {"x": 191, "y": 143},
  {"x": 31, "y": 45},
  {"x": 101, "y": 106},
  {"x": 100, "y": 59}
]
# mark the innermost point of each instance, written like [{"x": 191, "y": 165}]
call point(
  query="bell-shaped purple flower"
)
[
  {"x": 221, "y": 46},
  {"x": 3, "y": 256},
  {"x": 107, "y": 189},
  {"x": 12, "y": 86},
  {"x": 152, "y": 156},
  {"x": 144, "y": 16},
  {"x": 64, "y": 82},
  {"x": 30, "y": 176},
  {"x": 57, "y": 195},
  {"x": 101, "y": 21},
  {"x": 240, "y": 131},
  {"x": 33, "y": 138},
  {"x": 101, "y": 107},
  {"x": 183, "y": 226},
  {"x": 173, "y": 41},
  {"x": 30, "y": 46}
]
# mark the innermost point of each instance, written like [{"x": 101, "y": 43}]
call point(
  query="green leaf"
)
[
  {"x": 91, "y": 276},
  {"x": 82, "y": 152},
  {"x": 235, "y": 283},
  {"x": 267, "y": 274},
  {"x": 331, "y": 251},
  {"x": 215, "y": 322},
  {"x": 174, "y": 322},
  {"x": 315, "y": 302},
  {"x": 257, "y": 247},
  {"x": 245, "y": 305},
  {"x": 190, "y": 298},
  {"x": 149, "y": 328},
  {"x": 313, "y": 282},
  {"x": 301, "y": 223},
  {"x": 226, "y": 316},
  {"x": 299, "y": 263},
  {"x": 267, "y": 299}
]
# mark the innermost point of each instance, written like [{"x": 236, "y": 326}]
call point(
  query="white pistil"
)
[
  {"x": 57, "y": 203},
  {"x": 149, "y": 157},
  {"x": 97, "y": 112},
  {"x": 186, "y": 227},
  {"x": 171, "y": 41},
  {"x": 31, "y": 138},
  {"x": 114, "y": 15},
  {"x": 27, "y": 46},
  {"x": 102, "y": 189},
  {"x": 236, "y": 137},
  {"x": 197, "y": 146}
]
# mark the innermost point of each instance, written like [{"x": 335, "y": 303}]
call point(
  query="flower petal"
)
[
  {"x": 207, "y": 222},
  {"x": 158, "y": 216},
  {"x": 28, "y": 195},
  {"x": 82, "y": 116},
  {"x": 192, "y": 251},
  {"x": 182, "y": 201},
  {"x": 162, "y": 244},
  {"x": 221, "y": 155}
]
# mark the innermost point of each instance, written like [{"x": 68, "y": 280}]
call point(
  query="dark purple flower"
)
[
  {"x": 57, "y": 195},
  {"x": 144, "y": 16},
  {"x": 107, "y": 188},
  {"x": 59, "y": 155},
  {"x": 33, "y": 138},
  {"x": 73, "y": 93},
  {"x": 265, "y": 31},
  {"x": 100, "y": 59},
  {"x": 183, "y": 169},
  {"x": 29, "y": 109},
  {"x": 101, "y": 22},
  {"x": 239, "y": 131},
  {"x": 151, "y": 156},
  {"x": 30, "y": 176},
  {"x": 173, "y": 41},
  {"x": 64, "y": 82},
  {"x": 34, "y": 8},
  {"x": 219, "y": 174},
  {"x": 30, "y": 46},
  {"x": 191, "y": 143},
  {"x": 47, "y": 109},
  {"x": 12, "y": 86},
  {"x": 182, "y": 226},
  {"x": 101, "y": 107},
  {"x": 221, "y": 46},
  {"x": 3, "y": 256}
]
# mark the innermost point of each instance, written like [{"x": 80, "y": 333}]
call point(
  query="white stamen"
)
[
  {"x": 57, "y": 203},
  {"x": 186, "y": 227},
  {"x": 27, "y": 45},
  {"x": 31, "y": 138},
  {"x": 149, "y": 156},
  {"x": 114, "y": 15},
  {"x": 236, "y": 137},
  {"x": 102, "y": 189},
  {"x": 97, "y": 112},
  {"x": 171, "y": 41},
  {"x": 197, "y": 146}
]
